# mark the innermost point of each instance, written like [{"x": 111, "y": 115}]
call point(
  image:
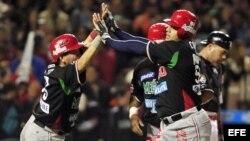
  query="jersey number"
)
[{"x": 44, "y": 90}]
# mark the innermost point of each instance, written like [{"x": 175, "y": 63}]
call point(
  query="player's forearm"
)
[
  {"x": 134, "y": 102},
  {"x": 134, "y": 106},
  {"x": 206, "y": 96},
  {"x": 88, "y": 55},
  {"x": 128, "y": 46},
  {"x": 90, "y": 37},
  {"x": 126, "y": 36}
]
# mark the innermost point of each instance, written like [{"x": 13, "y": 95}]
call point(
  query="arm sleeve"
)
[
  {"x": 122, "y": 35},
  {"x": 128, "y": 46}
]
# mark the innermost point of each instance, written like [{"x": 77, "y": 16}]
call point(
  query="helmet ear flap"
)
[
  {"x": 182, "y": 34},
  {"x": 186, "y": 23}
]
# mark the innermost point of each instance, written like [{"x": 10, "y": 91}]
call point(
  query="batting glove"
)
[
  {"x": 111, "y": 23},
  {"x": 103, "y": 31}
]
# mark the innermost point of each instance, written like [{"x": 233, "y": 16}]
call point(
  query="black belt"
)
[
  {"x": 42, "y": 125},
  {"x": 177, "y": 116},
  {"x": 39, "y": 123}
]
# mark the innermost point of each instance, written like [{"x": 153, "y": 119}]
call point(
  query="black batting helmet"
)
[{"x": 219, "y": 38}]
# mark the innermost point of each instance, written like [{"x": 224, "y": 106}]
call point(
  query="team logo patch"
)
[
  {"x": 148, "y": 75},
  {"x": 181, "y": 135},
  {"x": 203, "y": 79},
  {"x": 190, "y": 27},
  {"x": 150, "y": 103},
  {"x": 149, "y": 87},
  {"x": 162, "y": 72},
  {"x": 162, "y": 87},
  {"x": 60, "y": 47},
  {"x": 201, "y": 84}
]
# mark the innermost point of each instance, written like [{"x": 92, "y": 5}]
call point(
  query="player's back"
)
[{"x": 181, "y": 80}]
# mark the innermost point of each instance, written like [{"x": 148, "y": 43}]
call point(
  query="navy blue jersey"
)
[
  {"x": 182, "y": 76},
  {"x": 144, "y": 85},
  {"x": 58, "y": 105}
]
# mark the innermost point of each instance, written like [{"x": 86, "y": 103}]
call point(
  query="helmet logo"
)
[
  {"x": 189, "y": 28},
  {"x": 60, "y": 47}
]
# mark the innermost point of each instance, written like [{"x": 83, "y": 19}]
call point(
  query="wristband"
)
[
  {"x": 133, "y": 111},
  {"x": 96, "y": 42},
  {"x": 93, "y": 34}
]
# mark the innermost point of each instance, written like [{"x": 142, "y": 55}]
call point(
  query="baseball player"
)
[
  {"x": 143, "y": 90},
  {"x": 55, "y": 114},
  {"x": 215, "y": 51},
  {"x": 143, "y": 82},
  {"x": 182, "y": 88}
]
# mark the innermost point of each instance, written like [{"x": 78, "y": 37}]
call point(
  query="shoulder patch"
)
[
  {"x": 147, "y": 75},
  {"x": 150, "y": 103},
  {"x": 162, "y": 87},
  {"x": 162, "y": 72}
]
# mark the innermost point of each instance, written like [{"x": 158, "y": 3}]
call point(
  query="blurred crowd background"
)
[{"x": 104, "y": 105}]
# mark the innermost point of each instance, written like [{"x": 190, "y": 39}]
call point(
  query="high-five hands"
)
[
  {"x": 100, "y": 26},
  {"x": 108, "y": 18}
]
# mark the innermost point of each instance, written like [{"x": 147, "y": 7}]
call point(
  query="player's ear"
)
[
  {"x": 60, "y": 60},
  {"x": 210, "y": 47}
]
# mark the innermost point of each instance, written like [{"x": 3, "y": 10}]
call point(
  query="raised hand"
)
[
  {"x": 104, "y": 11},
  {"x": 100, "y": 26},
  {"x": 108, "y": 18}
]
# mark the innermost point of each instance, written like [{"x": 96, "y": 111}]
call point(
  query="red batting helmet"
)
[
  {"x": 186, "y": 23},
  {"x": 157, "y": 31},
  {"x": 62, "y": 44}
]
